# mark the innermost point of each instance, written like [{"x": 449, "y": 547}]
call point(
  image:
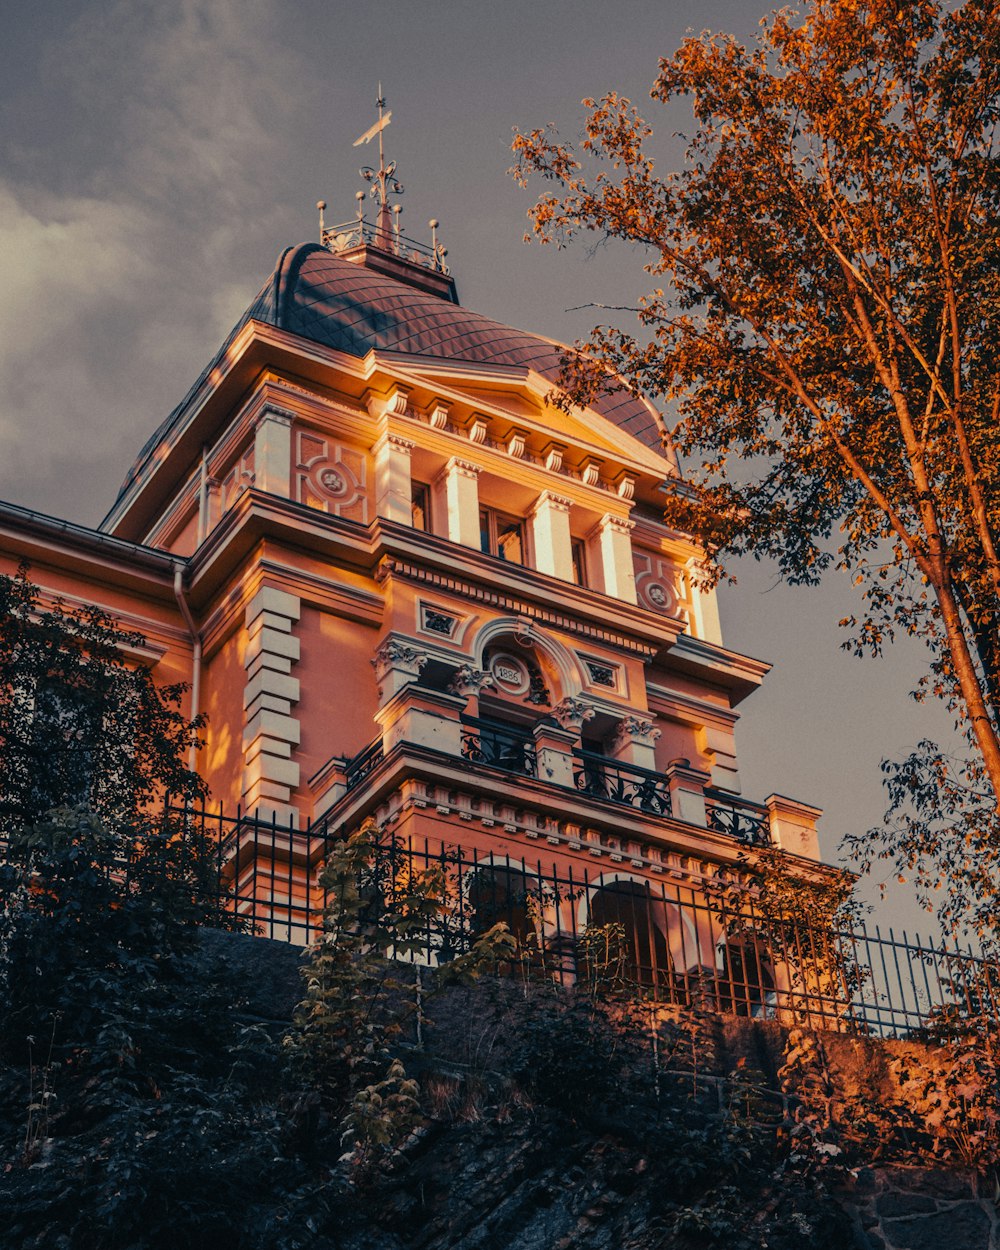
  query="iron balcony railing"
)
[
  {"x": 738, "y": 818},
  {"x": 361, "y": 765},
  {"x": 499, "y": 746},
  {"x": 512, "y": 750},
  {"x": 618, "y": 782}
]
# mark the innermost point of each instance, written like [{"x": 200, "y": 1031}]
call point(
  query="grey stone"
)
[
  {"x": 266, "y": 972},
  {"x": 896, "y": 1203},
  {"x": 866, "y": 1181},
  {"x": 963, "y": 1227},
  {"x": 937, "y": 1182}
]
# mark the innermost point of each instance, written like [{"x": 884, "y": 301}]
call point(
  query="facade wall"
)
[{"x": 429, "y": 562}]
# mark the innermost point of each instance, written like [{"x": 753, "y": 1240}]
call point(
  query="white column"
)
[
  {"x": 271, "y": 732},
  {"x": 550, "y": 536},
  {"x": 615, "y": 547},
  {"x": 393, "y": 492},
  {"x": 272, "y": 456},
  {"x": 461, "y": 495}
]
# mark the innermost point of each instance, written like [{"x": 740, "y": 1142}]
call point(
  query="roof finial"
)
[{"x": 383, "y": 184}]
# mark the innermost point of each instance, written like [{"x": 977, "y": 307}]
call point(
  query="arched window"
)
[{"x": 642, "y": 920}]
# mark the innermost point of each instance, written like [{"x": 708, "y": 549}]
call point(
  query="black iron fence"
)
[{"x": 661, "y": 938}]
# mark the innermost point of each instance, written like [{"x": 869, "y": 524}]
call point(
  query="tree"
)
[
  {"x": 130, "y": 1091},
  {"x": 827, "y": 329},
  {"x": 79, "y": 723}
]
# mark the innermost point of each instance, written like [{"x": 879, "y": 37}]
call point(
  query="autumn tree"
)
[{"x": 825, "y": 327}]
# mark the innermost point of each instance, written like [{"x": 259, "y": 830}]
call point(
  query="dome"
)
[{"x": 355, "y": 309}]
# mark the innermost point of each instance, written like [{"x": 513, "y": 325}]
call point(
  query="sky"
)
[{"x": 157, "y": 155}]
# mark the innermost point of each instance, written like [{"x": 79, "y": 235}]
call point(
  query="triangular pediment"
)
[{"x": 525, "y": 401}]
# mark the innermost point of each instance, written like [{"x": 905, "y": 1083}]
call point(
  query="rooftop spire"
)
[
  {"x": 383, "y": 183},
  {"x": 359, "y": 241}
]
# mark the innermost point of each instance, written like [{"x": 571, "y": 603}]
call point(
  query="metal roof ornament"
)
[
  {"x": 386, "y": 235},
  {"x": 382, "y": 180}
]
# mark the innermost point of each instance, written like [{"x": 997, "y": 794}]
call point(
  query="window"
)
[
  {"x": 501, "y": 535},
  {"x": 635, "y": 922},
  {"x": 420, "y": 507},
  {"x": 579, "y": 556}
]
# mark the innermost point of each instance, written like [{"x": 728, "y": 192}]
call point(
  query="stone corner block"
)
[{"x": 267, "y": 599}]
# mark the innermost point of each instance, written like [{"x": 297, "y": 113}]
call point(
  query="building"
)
[{"x": 402, "y": 583}]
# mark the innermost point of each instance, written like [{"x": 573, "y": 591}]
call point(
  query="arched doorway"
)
[
  {"x": 746, "y": 980},
  {"x": 505, "y": 893},
  {"x": 628, "y": 908}
]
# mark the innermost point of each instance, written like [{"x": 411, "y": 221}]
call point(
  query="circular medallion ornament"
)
[
  {"x": 332, "y": 482},
  {"x": 656, "y": 595}
]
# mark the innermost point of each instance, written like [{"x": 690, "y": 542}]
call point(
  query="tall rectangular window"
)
[
  {"x": 501, "y": 535},
  {"x": 420, "y": 507},
  {"x": 579, "y": 553}
]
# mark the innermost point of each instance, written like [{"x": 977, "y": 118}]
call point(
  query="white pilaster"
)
[
  {"x": 272, "y": 457},
  {"x": 634, "y": 742},
  {"x": 393, "y": 492},
  {"x": 271, "y": 731},
  {"x": 550, "y": 536},
  {"x": 705, "y": 610},
  {"x": 615, "y": 546},
  {"x": 461, "y": 493}
]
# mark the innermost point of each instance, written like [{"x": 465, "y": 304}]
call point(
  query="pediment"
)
[{"x": 525, "y": 401}]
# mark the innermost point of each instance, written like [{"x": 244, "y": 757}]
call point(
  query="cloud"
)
[{"x": 117, "y": 291}]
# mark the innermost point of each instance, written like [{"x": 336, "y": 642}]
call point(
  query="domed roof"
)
[{"x": 355, "y": 309}]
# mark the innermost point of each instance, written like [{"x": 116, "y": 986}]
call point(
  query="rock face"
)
[
  {"x": 538, "y": 1182},
  {"x": 913, "y": 1208},
  {"x": 496, "y": 1174}
]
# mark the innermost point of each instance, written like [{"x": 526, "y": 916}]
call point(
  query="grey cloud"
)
[{"x": 116, "y": 294}]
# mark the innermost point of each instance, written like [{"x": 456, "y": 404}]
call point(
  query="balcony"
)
[
  {"x": 563, "y": 779},
  {"x": 499, "y": 746},
  {"x": 617, "y": 782}
]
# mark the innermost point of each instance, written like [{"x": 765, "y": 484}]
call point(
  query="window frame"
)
[{"x": 490, "y": 521}]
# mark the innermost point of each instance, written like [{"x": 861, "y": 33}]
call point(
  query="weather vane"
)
[{"x": 382, "y": 181}]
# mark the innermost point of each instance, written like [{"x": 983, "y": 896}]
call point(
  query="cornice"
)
[
  {"x": 131, "y": 567},
  {"x": 739, "y": 674},
  {"x": 687, "y": 708},
  {"x": 259, "y": 346}
]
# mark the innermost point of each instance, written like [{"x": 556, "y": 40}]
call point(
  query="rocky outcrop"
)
[{"x": 919, "y": 1208}]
